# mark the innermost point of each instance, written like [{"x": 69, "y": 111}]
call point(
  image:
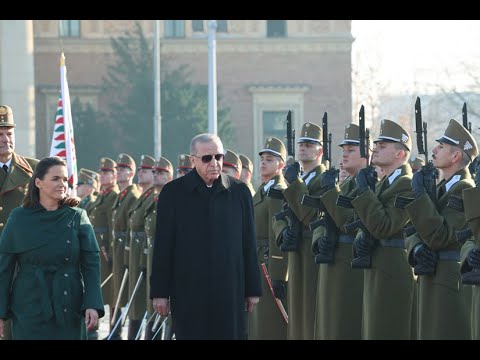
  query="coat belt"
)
[
  {"x": 449, "y": 255},
  {"x": 100, "y": 229},
  {"x": 137, "y": 235},
  {"x": 119, "y": 234},
  {"x": 393, "y": 243}
]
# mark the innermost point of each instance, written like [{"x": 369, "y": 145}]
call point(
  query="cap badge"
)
[{"x": 467, "y": 146}]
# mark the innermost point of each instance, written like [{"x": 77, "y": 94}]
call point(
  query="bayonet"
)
[{"x": 290, "y": 136}]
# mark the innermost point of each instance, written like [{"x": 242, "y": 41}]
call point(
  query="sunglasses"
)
[{"x": 207, "y": 158}]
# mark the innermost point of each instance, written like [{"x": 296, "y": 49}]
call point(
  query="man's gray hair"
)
[{"x": 203, "y": 138}]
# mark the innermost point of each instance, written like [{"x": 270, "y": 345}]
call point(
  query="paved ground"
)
[{"x": 104, "y": 328}]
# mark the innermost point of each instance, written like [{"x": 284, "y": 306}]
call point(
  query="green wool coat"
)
[
  {"x": 137, "y": 259},
  {"x": 58, "y": 276},
  {"x": 302, "y": 270},
  {"x": 100, "y": 215},
  {"x": 266, "y": 321},
  {"x": 340, "y": 288},
  {"x": 443, "y": 302},
  {"x": 120, "y": 247},
  {"x": 388, "y": 287}
]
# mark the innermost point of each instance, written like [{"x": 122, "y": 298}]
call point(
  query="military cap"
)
[
  {"x": 231, "y": 159},
  {"x": 90, "y": 173},
  {"x": 84, "y": 178},
  {"x": 390, "y": 131},
  {"x": 246, "y": 163},
  {"x": 274, "y": 146},
  {"x": 416, "y": 162},
  {"x": 146, "y": 162},
  {"x": 184, "y": 162},
  {"x": 164, "y": 165},
  {"x": 351, "y": 135},
  {"x": 107, "y": 164},
  {"x": 456, "y": 134},
  {"x": 125, "y": 160},
  {"x": 6, "y": 116},
  {"x": 310, "y": 133},
  {"x": 290, "y": 161}
]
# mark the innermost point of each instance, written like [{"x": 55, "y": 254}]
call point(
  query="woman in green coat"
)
[{"x": 55, "y": 291}]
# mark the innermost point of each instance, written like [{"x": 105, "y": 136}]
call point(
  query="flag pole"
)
[
  {"x": 212, "y": 77},
  {"x": 157, "y": 116}
]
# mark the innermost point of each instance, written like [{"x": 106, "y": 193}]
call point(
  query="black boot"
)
[
  {"x": 148, "y": 331},
  {"x": 133, "y": 327}
]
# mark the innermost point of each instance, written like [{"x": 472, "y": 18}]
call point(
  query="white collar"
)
[
  {"x": 394, "y": 175},
  {"x": 452, "y": 181}
]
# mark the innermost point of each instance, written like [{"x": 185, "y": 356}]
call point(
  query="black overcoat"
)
[{"x": 204, "y": 256}]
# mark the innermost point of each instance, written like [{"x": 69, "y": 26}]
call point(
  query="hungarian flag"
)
[{"x": 63, "y": 144}]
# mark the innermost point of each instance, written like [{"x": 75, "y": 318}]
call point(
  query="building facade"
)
[{"x": 264, "y": 69}]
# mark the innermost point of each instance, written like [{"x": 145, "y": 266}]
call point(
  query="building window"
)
[
  {"x": 174, "y": 28},
  {"x": 222, "y": 26},
  {"x": 274, "y": 124},
  {"x": 197, "y": 25},
  {"x": 69, "y": 28},
  {"x": 276, "y": 28}
]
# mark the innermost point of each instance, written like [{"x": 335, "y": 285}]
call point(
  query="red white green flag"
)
[{"x": 63, "y": 144}]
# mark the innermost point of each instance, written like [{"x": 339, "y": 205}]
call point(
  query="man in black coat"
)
[{"x": 204, "y": 258}]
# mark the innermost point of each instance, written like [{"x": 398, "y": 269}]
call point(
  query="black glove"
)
[
  {"x": 477, "y": 170},
  {"x": 365, "y": 179},
  {"x": 292, "y": 172},
  {"x": 424, "y": 256},
  {"x": 325, "y": 244},
  {"x": 362, "y": 245},
  {"x": 474, "y": 165},
  {"x": 288, "y": 235},
  {"x": 418, "y": 185},
  {"x": 279, "y": 288},
  {"x": 473, "y": 258},
  {"x": 329, "y": 179}
]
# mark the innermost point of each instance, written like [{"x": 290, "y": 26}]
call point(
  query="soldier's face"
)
[
  {"x": 231, "y": 171},
  {"x": 211, "y": 170},
  {"x": 84, "y": 190},
  {"x": 270, "y": 165},
  {"x": 161, "y": 177},
  {"x": 351, "y": 159},
  {"x": 145, "y": 176},
  {"x": 444, "y": 155},
  {"x": 245, "y": 176},
  {"x": 309, "y": 151},
  {"x": 107, "y": 178},
  {"x": 53, "y": 186},
  {"x": 7, "y": 142},
  {"x": 384, "y": 153},
  {"x": 182, "y": 172},
  {"x": 124, "y": 174}
]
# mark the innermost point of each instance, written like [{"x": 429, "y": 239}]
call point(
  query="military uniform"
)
[
  {"x": 86, "y": 179},
  {"x": 136, "y": 257},
  {"x": 231, "y": 164},
  {"x": 302, "y": 270},
  {"x": 266, "y": 321},
  {"x": 13, "y": 183},
  {"x": 184, "y": 165},
  {"x": 388, "y": 284},
  {"x": 150, "y": 227},
  {"x": 340, "y": 288},
  {"x": 120, "y": 209},
  {"x": 442, "y": 300},
  {"x": 247, "y": 165}
]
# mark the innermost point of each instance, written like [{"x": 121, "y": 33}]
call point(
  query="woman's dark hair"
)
[{"x": 32, "y": 197}]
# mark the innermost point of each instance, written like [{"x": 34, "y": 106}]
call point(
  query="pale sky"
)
[{"x": 412, "y": 53}]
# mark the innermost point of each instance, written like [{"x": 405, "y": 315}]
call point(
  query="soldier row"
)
[{"x": 370, "y": 257}]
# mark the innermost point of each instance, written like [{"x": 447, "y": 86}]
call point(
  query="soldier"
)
[
  {"x": 266, "y": 321},
  {"x": 184, "y": 165},
  {"x": 136, "y": 239},
  {"x": 295, "y": 236},
  {"x": 162, "y": 174},
  {"x": 14, "y": 176},
  {"x": 416, "y": 163},
  {"x": 470, "y": 254},
  {"x": 101, "y": 218},
  {"x": 340, "y": 288},
  {"x": 247, "y": 172},
  {"x": 388, "y": 283},
  {"x": 232, "y": 164},
  {"x": 86, "y": 190},
  {"x": 128, "y": 194},
  {"x": 433, "y": 250},
  {"x": 94, "y": 175}
]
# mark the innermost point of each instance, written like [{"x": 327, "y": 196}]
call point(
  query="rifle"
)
[
  {"x": 287, "y": 212},
  {"x": 466, "y": 124},
  {"x": 421, "y": 131},
  {"x": 363, "y": 262},
  {"x": 277, "y": 300}
]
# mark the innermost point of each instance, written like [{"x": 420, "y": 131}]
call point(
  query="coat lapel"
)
[{"x": 20, "y": 174}]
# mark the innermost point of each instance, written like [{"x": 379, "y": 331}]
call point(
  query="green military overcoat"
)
[
  {"x": 340, "y": 288},
  {"x": 266, "y": 322},
  {"x": 101, "y": 218},
  {"x": 137, "y": 259},
  {"x": 121, "y": 206},
  {"x": 58, "y": 278},
  {"x": 302, "y": 270},
  {"x": 443, "y": 302},
  {"x": 388, "y": 284}
]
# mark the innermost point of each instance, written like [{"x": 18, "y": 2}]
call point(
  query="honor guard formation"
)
[{"x": 383, "y": 245}]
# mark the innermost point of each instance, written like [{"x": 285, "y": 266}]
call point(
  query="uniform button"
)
[
  {"x": 66, "y": 275},
  {"x": 65, "y": 292},
  {"x": 67, "y": 258},
  {"x": 1, "y": 208},
  {"x": 1, "y": 224},
  {"x": 68, "y": 241},
  {"x": 65, "y": 310}
]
